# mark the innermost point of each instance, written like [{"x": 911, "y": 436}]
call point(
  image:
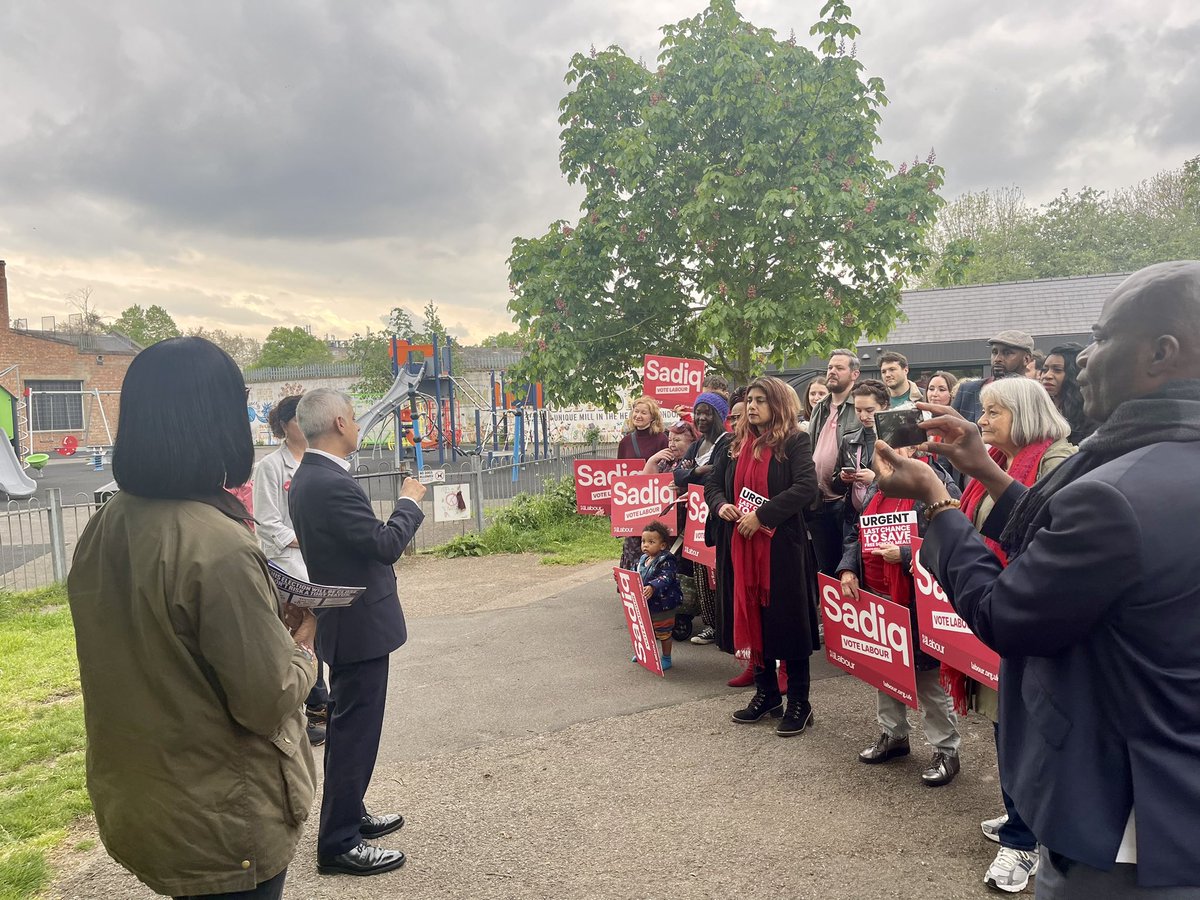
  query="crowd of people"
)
[
  {"x": 1074, "y": 562},
  {"x": 1097, "y": 690}
]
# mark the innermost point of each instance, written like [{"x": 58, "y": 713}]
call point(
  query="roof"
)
[
  {"x": 112, "y": 343},
  {"x": 975, "y": 312}
]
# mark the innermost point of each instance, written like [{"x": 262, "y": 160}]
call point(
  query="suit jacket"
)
[
  {"x": 1097, "y": 624},
  {"x": 344, "y": 543}
]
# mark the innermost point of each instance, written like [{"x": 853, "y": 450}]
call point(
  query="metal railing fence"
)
[{"x": 37, "y": 538}]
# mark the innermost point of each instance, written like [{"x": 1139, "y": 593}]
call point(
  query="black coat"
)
[
  {"x": 789, "y": 621},
  {"x": 344, "y": 543}
]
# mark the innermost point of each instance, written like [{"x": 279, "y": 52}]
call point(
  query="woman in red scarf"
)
[
  {"x": 887, "y": 572},
  {"x": 1027, "y": 436},
  {"x": 764, "y": 485}
]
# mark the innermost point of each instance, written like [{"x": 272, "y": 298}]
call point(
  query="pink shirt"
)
[{"x": 825, "y": 453}]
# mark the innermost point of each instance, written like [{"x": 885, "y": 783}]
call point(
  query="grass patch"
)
[
  {"x": 546, "y": 524},
  {"x": 42, "y": 789}
]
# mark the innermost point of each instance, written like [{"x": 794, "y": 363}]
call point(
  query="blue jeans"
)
[{"x": 1014, "y": 833}]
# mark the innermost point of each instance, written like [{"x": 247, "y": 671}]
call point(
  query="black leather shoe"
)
[
  {"x": 378, "y": 826},
  {"x": 887, "y": 747},
  {"x": 799, "y": 716},
  {"x": 942, "y": 769},
  {"x": 760, "y": 705},
  {"x": 365, "y": 859}
]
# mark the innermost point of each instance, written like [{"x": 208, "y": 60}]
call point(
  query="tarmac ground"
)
[{"x": 531, "y": 759}]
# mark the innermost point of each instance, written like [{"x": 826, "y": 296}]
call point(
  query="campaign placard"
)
[
  {"x": 896, "y": 529},
  {"x": 673, "y": 381},
  {"x": 637, "y": 617},
  {"x": 298, "y": 592},
  {"x": 749, "y": 501},
  {"x": 638, "y": 500},
  {"x": 693, "y": 535},
  {"x": 945, "y": 635},
  {"x": 593, "y": 482},
  {"x": 871, "y": 638}
]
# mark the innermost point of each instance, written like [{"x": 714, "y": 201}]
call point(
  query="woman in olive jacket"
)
[{"x": 197, "y": 762}]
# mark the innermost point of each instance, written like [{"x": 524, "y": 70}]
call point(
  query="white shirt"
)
[
  {"x": 344, "y": 463},
  {"x": 272, "y": 478},
  {"x": 1127, "y": 852}
]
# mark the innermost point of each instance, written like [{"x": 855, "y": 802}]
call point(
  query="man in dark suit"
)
[
  {"x": 1097, "y": 616},
  {"x": 344, "y": 543}
]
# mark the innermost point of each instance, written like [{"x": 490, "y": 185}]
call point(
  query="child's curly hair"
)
[{"x": 660, "y": 529}]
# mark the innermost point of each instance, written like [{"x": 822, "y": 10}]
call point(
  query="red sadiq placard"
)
[
  {"x": 637, "y": 617},
  {"x": 890, "y": 528},
  {"x": 945, "y": 635},
  {"x": 870, "y": 638},
  {"x": 693, "y": 535},
  {"x": 673, "y": 381},
  {"x": 638, "y": 500},
  {"x": 593, "y": 482}
]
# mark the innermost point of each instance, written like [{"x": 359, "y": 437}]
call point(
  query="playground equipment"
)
[
  {"x": 13, "y": 479},
  {"x": 37, "y": 461},
  {"x": 70, "y": 445},
  {"x": 526, "y": 412}
]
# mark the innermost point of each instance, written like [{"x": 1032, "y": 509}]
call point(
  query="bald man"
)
[{"x": 1097, "y": 615}]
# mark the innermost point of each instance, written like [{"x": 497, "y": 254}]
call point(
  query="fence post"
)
[
  {"x": 477, "y": 496},
  {"x": 58, "y": 542}
]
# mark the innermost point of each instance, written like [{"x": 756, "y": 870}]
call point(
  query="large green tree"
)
[
  {"x": 734, "y": 208},
  {"x": 995, "y": 235},
  {"x": 293, "y": 347},
  {"x": 146, "y": 326}
]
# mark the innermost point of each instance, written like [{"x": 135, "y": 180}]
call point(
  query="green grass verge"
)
[
  {"x": 42, "y": 788},
  {"x": 546, "y": 524}
]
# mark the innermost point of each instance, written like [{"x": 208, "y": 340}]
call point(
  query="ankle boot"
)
[
  {"x": 796, "y": 719},
  {"x": 761, "y": 704}
]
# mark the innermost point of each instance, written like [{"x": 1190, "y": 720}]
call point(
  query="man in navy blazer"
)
[
  {"x": 1097, "y": 616},
  {"x": 344, "y": 543}
]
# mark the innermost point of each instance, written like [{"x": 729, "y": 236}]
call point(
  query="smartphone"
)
[
  {"x": 900, "y": 427},
  {"x": 849, "y": 470}
]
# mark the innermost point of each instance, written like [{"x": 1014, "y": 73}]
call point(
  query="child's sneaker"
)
[{"x": 666, "y": 661}]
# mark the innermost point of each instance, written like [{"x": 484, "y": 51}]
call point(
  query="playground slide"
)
[
  {"x": 13, "y": 479},
  {"x": 409, "y": 379}
]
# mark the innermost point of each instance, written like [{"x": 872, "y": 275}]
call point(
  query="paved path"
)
[{"x": 532, "y": 760}]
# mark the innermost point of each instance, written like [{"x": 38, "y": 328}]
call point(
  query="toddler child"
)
[{"x": 658, "y": 570}]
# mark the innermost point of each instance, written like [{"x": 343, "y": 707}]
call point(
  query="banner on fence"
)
[
  {"x": 890, "y": 528},
  {"x": 593, "y": 482},
  {"x": 673, "y": 381},
  {"x": 945, "y": 635},
  {"x": 871, "y": 638},
  {"x": 451, "y": 502},
  {"x": 638, "y": 500},
  {"x": 637, "y": 617},
  {"x": 693, "y": 535}
]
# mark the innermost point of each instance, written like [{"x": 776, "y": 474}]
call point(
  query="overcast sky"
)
[{"x": 315, "y": 162}]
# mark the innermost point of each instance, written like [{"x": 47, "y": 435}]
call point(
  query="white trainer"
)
[
  {"x": 1011, "y": 869},
  {"x": 991, "y": 827}
]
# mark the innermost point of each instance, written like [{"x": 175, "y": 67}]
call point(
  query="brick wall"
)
[{"x": 43, "y": 359}]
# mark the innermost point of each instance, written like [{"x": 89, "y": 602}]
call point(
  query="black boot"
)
[
  {"x": 796, "y": 719},
  {"x": 761, "y": 704}
]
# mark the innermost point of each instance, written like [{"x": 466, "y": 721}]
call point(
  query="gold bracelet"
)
[{"x": 934, "y": 508}]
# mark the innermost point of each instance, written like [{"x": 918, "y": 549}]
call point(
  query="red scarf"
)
[
  {"x": 751, "y": 560},
  {"x": 893, "y": 579},
  {"x": 1023, "y": 468}
]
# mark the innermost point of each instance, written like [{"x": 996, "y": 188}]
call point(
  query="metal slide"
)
[
  {"x": 13, "y": 479},
  {"x": 407, "y": 381}
]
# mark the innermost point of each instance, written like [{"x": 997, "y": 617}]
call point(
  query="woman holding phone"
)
[{"x": 761, "y": 488}]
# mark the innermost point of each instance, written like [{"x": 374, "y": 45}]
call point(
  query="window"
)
[{"x": 53, "y": 411}]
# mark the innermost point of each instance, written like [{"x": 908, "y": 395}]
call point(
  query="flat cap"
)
[{"x": 1011, "y": 338}]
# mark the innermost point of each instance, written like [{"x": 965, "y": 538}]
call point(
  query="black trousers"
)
[
  {"x": 357, "y": 693},
  {"x": 826, "y": 531},
  {"x": 264, "y": 890},
  {"x": 799, "y": 678}
]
